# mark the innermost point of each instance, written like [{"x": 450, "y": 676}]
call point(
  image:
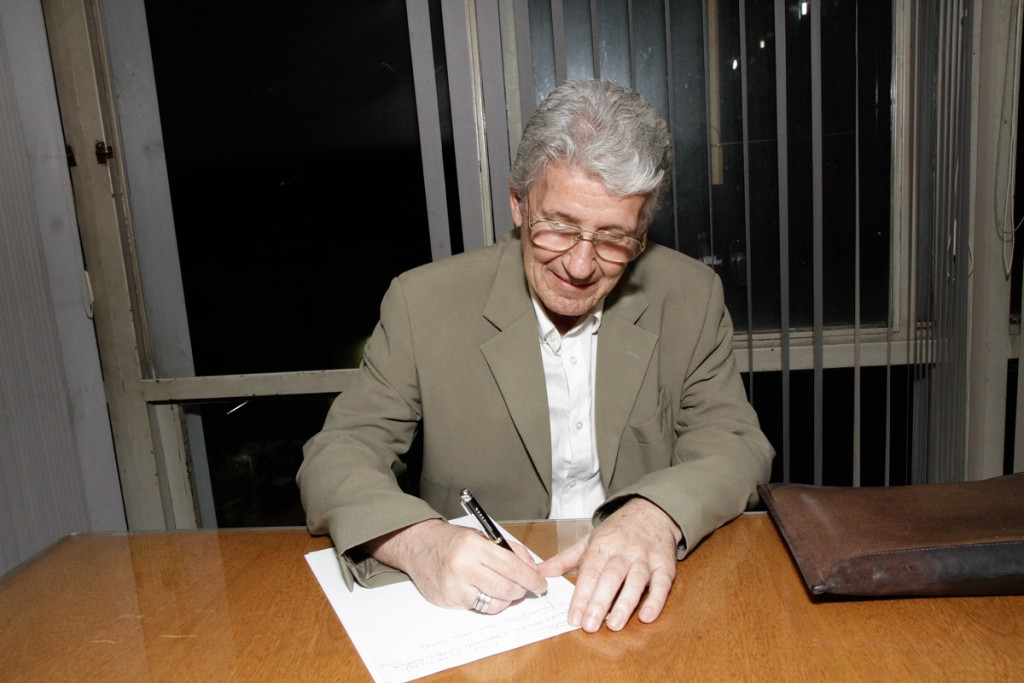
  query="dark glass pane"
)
[
  {"x": 763, "y": 161},
  {"x": 885, "y": 392},
  {"x": 296, "y": 181},
  {"x": 614, "y": 58},
  {"x": 579, "y": 39},
  {"x": 728, "y": 211},
  {"x": 649, "y": 57},
  {"x": 254, "y": 449},
  {"x": 723, "y": 109},
  {"x": 253, "y": 452},
  {"x": 874, "y": 51},
  {"x": 838, "y": 103},
  {"x": 799, "y": 167},
  {"x": 690, "y": 226},
  {"x": 542, "y": 47},
  {"x": 744, "y": 179},
  {"x": 856, "y": 129}
]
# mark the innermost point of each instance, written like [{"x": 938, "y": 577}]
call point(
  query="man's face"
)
[{"x": 570, "y": 283}]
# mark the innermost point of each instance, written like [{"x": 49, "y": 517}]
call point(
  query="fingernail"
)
[
  {"x": 575, "y": 618},
  {"x": 593, "y": 623}
]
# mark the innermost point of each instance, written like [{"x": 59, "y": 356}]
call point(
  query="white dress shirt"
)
[{"x": 569, "y": 369}]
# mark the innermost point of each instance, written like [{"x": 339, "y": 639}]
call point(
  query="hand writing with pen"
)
[{"x": 631, "y": 553}]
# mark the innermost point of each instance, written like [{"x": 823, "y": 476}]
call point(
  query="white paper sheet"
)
[{"x": 401, "y": 636}]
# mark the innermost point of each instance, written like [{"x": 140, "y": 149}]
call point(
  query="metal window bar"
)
[
  {"x": 781, "y": 118},
  {"x": 460, "y": 38},
  {"x": 954, "y": 466},
  {"x": 856, "y": 257},
  {"x": 671, "y": 106},
  {"x": 745, "y": 118},
  {"x": 950, "y": 465},
  {"x": 816, "y": 239},
  {"x": 920, "y": 302},
  {"x": 429, "y": 118},
  {"x": 946, "y": 248}
]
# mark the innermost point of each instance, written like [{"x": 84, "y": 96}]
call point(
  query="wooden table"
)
[{"x": 244, "y": 605}]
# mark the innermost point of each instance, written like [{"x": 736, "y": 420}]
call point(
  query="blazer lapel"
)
[
  {"x": 513, "y": 356},
  {"x": 624, "y": 353}
]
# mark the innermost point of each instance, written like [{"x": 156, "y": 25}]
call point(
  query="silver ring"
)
[{"x": 483, "y": 601}]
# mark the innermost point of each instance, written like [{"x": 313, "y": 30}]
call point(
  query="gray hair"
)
[{"x": 604, "y": 129}]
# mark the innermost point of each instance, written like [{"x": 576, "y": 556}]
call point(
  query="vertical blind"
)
[{"x": 942, "y": 249}]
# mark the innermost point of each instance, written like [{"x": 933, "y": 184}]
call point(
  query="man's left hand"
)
[{"x": 633, "y": 550}]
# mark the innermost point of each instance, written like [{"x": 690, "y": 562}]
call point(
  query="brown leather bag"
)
[{"x": 964, "y": 538}]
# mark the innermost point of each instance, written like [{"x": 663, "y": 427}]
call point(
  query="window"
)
[
  {"x": 293, "y": 160},
  {"x": 799, "y": 179}
]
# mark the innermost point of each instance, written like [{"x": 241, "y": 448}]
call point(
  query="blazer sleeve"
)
[
  {"x": 720, "y": 454},
  {"x": 347, "y": 479}
]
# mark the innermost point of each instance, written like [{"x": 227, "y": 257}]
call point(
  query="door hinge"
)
[
  {"x": 103, "y": 152},
  {"x": 71, "y": 156}
]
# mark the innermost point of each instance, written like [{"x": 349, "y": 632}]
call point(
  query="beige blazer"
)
[{"x": 457, "y": 352}]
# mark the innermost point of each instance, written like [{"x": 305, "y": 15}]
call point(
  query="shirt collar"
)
[{"x": 549, "y": 335}]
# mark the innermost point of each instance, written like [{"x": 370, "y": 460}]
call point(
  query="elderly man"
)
[{"x": 571, "y": 370}]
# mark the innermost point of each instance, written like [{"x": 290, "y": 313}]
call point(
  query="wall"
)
[{"x": 58, "y": 474}]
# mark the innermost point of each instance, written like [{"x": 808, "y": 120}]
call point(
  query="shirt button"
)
[
  {"x": 571, "y": 483},
  {"x": 572, "y": 360},
  {"x": 579, "y": 426}
]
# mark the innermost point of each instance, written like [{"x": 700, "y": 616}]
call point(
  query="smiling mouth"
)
[
  {"x": 576, "y": 288},
  {"x": 570, "y": 284}
]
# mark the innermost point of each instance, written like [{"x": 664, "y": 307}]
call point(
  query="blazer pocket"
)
[{"x": 649, "y": 429}]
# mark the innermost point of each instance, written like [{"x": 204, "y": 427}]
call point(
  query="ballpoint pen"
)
[{"x": 472, "y": 507}]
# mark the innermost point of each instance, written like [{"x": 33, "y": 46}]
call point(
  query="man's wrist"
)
[
  {"x": 394, "y": 547},
  {"x": 645, "y": 506}
]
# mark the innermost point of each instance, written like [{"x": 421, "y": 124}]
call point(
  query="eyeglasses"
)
[{"x": 613, "y": 247}]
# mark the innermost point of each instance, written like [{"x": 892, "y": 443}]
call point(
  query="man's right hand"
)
[{"x": 451, "y": 565}]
